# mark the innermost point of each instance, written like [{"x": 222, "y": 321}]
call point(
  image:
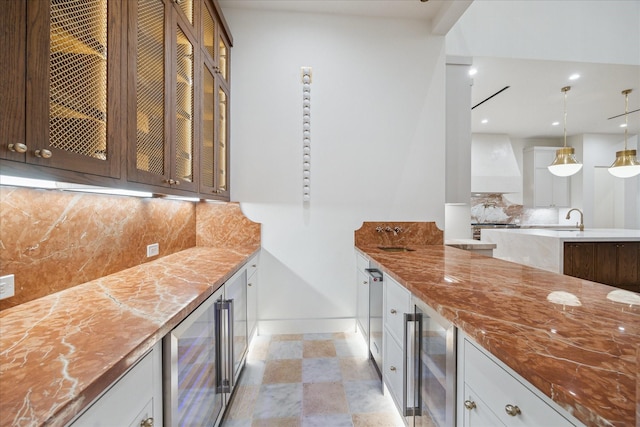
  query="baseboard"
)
[{"x": 306, "y": 326}]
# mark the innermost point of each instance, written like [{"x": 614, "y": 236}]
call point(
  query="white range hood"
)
[{"x": 494, "y": 168}]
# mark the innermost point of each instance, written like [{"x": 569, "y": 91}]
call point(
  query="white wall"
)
[
  {"x": 377, "y": 132},
  {"x": 600, "y": 151}
]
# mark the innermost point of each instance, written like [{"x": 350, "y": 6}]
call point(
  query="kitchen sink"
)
[{"x": 396, "y": 249}]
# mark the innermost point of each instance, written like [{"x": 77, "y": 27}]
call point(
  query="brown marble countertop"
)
[
  {"x": 469, "y": 244},
  {"x": 59, "y": 352},
  {"x": 583, "y": 354}
]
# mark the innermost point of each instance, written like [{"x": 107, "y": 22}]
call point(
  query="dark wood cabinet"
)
[
  {"x": 612, "y": 263},
  {"x": 113, "y": 93},
  {"x": 579, "y": 260},
  {"x": 63, "y": 78}
]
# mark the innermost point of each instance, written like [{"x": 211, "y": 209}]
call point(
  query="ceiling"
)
[
  {"x": 379, "y": 8},
  {"x": 534, "y": 99}
]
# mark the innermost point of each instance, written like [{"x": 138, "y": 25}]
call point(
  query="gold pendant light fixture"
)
[
  {"x": 565, "y": 163},
  {"x": 626, "y": 164}
]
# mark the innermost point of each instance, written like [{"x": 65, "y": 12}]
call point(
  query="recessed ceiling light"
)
[
  {"x": 555, "y": 123},
  {"x": 574, "y": 76},
  {"x": 484, "y": 121},
  {"x": 624, "y": 125},
  {"x": 473, "y": 71}
]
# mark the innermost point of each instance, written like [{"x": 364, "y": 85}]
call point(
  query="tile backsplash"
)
[{"x": 52, "y": 240}]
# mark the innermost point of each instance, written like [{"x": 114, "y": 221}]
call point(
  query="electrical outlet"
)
[
  {"x": 153, "y": 249},
  {"x": 7, "y": 287}
]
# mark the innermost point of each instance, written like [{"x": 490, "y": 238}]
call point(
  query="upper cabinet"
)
[
  {"x": 133, "y": 94},
  {"x": 64, "y": 82},
  {"x": 214, "y": 157},
  {"x": 542, "y": 189}
]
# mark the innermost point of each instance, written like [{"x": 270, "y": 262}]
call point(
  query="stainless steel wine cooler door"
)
[
  {"x": 192, "y": 375},
  {"x": 431, "y": 369}
]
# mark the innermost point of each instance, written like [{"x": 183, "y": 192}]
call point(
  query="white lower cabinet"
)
[
  {"x": 134, "y": 400},
  {"x": 397, "y": 302},
  {"x": 252, "y": 296},
  {"x": 491, "y": 394}
]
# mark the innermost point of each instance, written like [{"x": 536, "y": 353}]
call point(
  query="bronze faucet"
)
[{"x": 581, "y": 226}]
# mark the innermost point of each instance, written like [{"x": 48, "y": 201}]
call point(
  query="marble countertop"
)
[
  {"x": 59, "y": 352},
  {"x": 572, "y": 234},
  {"x": 583, "y": 354}
]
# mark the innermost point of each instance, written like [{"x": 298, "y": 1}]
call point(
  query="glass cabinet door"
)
[
  {"x": 150, "y": 154},
  {"x": 76, "y": 126},
  {"x": 184, "y": 110}
]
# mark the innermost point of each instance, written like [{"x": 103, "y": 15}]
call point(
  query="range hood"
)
[{"x": 494, "y": 168}]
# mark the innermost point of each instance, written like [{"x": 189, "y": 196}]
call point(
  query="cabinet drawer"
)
[
  {"x": 498, "y": 388},
  {"x": 252, "y": 266},
  {"x": 397, "y": 302},
  {"x": 478, "y": 413},
  {"x": 393, "y": 373},
  {"x": 361, "y": 262},
  {"x": 131, "y": 399}
]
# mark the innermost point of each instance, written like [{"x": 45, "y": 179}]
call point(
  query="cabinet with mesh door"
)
[
  {"x": 61, "y": 87},
  {"x": 178, "y": 103}
]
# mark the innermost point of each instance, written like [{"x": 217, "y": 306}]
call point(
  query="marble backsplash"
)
[
  {"x": 497, "y": 208},
  {"x": 396, "y": 233},
  {"x": 52, "y": 240}
]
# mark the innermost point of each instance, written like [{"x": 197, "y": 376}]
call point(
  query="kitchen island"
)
[{"x": 583, "y": 356}]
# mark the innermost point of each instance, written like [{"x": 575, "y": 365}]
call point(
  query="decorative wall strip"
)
[{"x": 306, "y": 134}]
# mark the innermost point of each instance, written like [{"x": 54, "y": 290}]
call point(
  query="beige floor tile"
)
[
  {"x": 259, "y": 349},
  {"x": 243, "y": 402},
  {"x": 277, "y": 422},
  {"x": 357, "y": 369},
  {"x": 377, "y": 420},
  {"x": 279, "y": 371},
  {"x": 320, "y": 348},
  {"x": 324, "y": 398},
  {"x": 287, "y": 337}
]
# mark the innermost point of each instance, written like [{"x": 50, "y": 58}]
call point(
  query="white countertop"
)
[
  {"x": 544, "y": 248},
  {"x": 573, "y": 234}
]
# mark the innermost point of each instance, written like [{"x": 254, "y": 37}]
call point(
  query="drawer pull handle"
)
[
  {"x": 469, "y": 404},
  {"x": 392, "y": 368},
  {"x": 364, "y": 282},
  {"x": 147, "y": 423},
  {"x": 249, "y": 284},
  {"x": 393, "y": 311},
  {"x": 17, "y": 148},
  {"x": 512, "y": 410}
]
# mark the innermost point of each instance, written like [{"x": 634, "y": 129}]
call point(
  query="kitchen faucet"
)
[{"x": 581, "y": 226}]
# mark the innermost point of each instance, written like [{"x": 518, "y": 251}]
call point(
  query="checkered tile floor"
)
[{"x": 310, "y": 380}]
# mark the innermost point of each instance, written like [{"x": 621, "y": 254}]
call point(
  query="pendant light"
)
[
  {"x": 626, "y": 164},
  {"x": 565, "y": 163}
]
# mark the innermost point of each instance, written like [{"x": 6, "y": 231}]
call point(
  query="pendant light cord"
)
[
  {"x": 565, "y": 90},
  {"x": 626, "y": 116}
]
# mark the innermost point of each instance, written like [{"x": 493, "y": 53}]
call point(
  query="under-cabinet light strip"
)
[{"x": 306, "y": 134}]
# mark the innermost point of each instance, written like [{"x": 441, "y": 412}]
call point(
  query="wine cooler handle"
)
[
  {"x": 230, "y": 352},
  {"x": 412, "y": 366}
]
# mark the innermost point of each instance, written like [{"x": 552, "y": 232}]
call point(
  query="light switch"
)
[
  {"x": 153, "y": 250},
  {"x": 7, "y": 287}
]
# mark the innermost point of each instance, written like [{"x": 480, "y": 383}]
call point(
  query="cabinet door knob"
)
[
  {"x": 249, "y": 284},
  {"x": 393, "y": 311},
  {"x": 392, "y": 368},
  {"x": 469, "y": 404},
  {"x": 17, "y": 148},
  {"x": 254, "y": 265},
  {"x": 512, "y": 410},
  {"x": 147, "y": 423},
  {"x": 44, "y": 153}
]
